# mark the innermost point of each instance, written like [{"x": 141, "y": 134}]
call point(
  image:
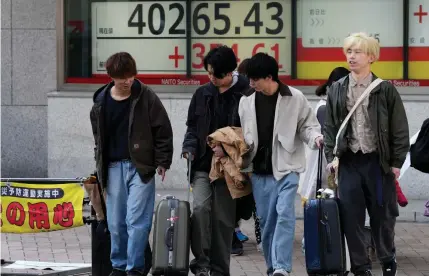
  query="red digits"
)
[
  {"x": 38, "y": 213},
  {"x": 256, "y": 48},
  {"x": 200, "y": 55},
  {"x": 12, "y": 214},
  {"x": 64, "y": 214},
  {"x": 276, "y": 50},
  {"x": 214, "y": 45}
]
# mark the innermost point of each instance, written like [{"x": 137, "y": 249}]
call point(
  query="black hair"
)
[
  {"x": 335, "y": 75},
  {"x": 262, "y": 65},
  {"x": 121, "y": 65},
  {"x": 222, "y": 59},
  {"x": 242, "y": 67}
]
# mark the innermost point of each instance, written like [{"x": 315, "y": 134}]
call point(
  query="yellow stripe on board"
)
[
  {"x": 321, "y": 70},
  {"x": 418, "y": 70}
]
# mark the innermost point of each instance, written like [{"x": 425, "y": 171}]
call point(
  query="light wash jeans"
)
[
  {"x": 275, "y": 203},
  {"x": 130, "y": 204}
]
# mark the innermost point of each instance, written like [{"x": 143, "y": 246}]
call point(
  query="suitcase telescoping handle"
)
[
  {"x": 319, "y": 171},
  {"x": 189, "y": 161}
]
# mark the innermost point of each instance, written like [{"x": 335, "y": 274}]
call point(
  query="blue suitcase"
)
[{"x": 325, "y": 252}]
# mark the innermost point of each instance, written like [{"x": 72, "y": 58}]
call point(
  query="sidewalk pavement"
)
[{"x": 74, "y": 246}]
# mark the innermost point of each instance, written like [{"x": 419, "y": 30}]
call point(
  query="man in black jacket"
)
[
  {"x": 213, "y": 106},
  {"x": 371, "y": 150},
  {"x": 133, "y": 139}
]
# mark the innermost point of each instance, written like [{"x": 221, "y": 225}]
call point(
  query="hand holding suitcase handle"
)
[{"x": 319, "y": 171}]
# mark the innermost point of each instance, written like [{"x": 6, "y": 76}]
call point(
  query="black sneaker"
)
[
  {"x": 237, "y": 245},
  {"x": 118, "y": 272},
  {"x": 389, "y": 269},
  {"x": 280, "y": 272},
  {"x": 202, "y": 272},
  {"x": 363, "y": 273},
  {"x": 237, "y": 250}
]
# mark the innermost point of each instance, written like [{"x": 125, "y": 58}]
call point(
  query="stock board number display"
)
[
  {"x": 140, "y": 27},
  {"x": 211, "y": 18},
  {"x": 241, "y": 18}
]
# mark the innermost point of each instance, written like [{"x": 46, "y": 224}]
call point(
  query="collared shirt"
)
[{"x": 361, "y": 135}]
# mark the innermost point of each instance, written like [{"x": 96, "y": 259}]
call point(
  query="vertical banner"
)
[{"x": 33, "y": 208}]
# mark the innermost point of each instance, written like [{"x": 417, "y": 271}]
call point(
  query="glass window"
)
[
  {"x": 155, "y": 34},
  {"x": 418, "y": 65},
  {"x": 323, "y": 25}
]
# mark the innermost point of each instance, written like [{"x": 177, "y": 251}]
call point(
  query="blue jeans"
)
[
  {"x": 275, "y": 203},
  {"x": 130, "y": 204}
]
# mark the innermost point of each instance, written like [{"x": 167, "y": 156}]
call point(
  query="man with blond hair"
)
[{"x": 370, "y": 149}]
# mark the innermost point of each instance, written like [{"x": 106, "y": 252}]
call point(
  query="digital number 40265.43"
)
[{"x": 206, "y": 16}]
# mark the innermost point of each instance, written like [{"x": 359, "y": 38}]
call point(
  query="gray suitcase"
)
[{"x": 171, "y": 236}]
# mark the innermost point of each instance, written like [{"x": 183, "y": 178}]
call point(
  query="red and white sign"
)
[{"x": 419, "y": 23}]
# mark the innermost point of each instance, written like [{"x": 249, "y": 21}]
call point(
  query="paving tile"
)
[{"x": 74, "y": 245}]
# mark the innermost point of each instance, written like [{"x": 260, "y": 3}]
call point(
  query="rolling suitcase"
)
[
  {"x": 325, "y": 252},
  {"x": 171, "y": 235}
]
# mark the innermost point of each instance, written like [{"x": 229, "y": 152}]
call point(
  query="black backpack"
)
[{"x": 419, "y": 151}]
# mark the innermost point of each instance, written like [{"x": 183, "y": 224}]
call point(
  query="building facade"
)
[{"x": 53, "y": 54}]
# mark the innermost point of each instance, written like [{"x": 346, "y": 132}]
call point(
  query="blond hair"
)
[{"x": 367, "y": 44}]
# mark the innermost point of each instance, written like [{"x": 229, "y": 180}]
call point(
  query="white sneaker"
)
[{"x": 280, "y": 272}]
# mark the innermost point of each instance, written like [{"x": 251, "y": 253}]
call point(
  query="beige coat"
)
[
  {"x": 91, "y": 187},
  {"x": 228, "y": 167}
]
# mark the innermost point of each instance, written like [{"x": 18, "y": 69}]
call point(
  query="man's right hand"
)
[{"x": 186, "y": 156}]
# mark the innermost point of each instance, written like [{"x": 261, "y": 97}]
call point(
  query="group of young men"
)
[{"x": 134, "y": 139}]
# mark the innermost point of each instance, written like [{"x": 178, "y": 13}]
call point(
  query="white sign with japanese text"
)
[{"x": 326, "y": 23}]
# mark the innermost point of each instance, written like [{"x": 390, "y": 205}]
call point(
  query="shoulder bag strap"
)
[{"x": 365, "y": 94}]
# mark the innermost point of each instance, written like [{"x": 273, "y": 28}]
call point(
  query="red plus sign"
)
[
  {"x": 420, "y": 13},
  {"x": 176, "y": 57}
]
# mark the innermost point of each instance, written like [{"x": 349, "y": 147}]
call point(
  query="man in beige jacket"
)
[{"x": 276, "y": 119}]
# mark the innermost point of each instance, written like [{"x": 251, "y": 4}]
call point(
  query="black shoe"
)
[
  {"x": 363, "y": 273},
  {"x": 117, "y": 272},
  {"x": 237, "y": 246},
  {"x": 389, "y": 269},
  {"x": 237, "y": 250},
  {"x": 280, "y": 272},
  {"x": 202, "y": 272},
  {"x": 134, "y": 273}
]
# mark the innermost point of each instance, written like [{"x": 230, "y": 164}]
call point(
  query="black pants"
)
[
  {"x": 213, "y": 223},
  {"x": 363, "y": 184}
]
